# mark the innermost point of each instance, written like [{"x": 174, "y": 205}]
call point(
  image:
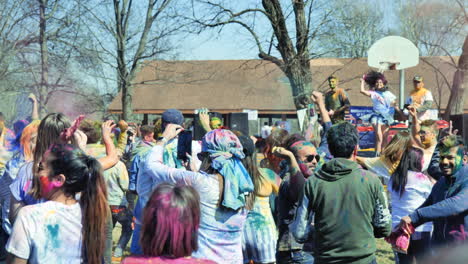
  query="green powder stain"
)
[{"x": 52, "y": 233}]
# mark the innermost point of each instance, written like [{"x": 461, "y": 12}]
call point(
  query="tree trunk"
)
[
  {"x": 127, "y": 96},
  {"x": 44, "y": 57},
  {"x": 300, "y": 78},
  {"x": 455, "y": 105}
]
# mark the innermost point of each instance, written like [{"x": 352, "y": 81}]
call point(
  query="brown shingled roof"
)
[{"x": 233, "y": 85}]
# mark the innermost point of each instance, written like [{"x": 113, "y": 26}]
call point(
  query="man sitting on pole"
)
[
  {"x": 421, "y": 99},
  {"x": 336, "y": 100}
]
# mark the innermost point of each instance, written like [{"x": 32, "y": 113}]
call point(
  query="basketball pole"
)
[{"x": 402, "y": 88}]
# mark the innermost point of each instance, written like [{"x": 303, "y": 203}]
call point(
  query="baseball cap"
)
[{"x": 173, "y": 116}]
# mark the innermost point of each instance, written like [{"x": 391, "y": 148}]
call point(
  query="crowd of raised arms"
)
[{"x": 279, "y": 197}]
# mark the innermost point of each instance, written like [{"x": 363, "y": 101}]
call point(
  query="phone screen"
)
[{"x": 184, "y": 145}]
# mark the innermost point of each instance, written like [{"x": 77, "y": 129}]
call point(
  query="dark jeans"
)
[
  {"x": 131, "y": 199},
  {"x": 3, "y": 240},
  {"x": 416, "y": 249},
  {"x": 294, "y": 257},
  {"x": 124, "y": 216}
]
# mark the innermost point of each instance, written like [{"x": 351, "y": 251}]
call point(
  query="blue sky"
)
[{"x": 212, "y": 45}]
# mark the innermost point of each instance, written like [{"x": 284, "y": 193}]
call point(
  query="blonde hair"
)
[
  {"x": 397, "y": 146},
  {"x": 26, "y": 142}
]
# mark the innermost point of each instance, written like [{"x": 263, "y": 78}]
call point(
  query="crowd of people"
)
[{"x": 279, "y": 197}]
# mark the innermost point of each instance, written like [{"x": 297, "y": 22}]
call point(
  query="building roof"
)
[{"x": 233, "y": 85}]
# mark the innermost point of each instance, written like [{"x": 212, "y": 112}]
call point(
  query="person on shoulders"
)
[{"x": 421, "y": 99}]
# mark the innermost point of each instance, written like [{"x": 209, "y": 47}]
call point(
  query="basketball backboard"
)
[{"x": 393, "y": 53}]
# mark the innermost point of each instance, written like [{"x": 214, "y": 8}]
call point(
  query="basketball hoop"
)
[
  {"x": 388, "y": 66},
  {"x": 393, "y": 53}
]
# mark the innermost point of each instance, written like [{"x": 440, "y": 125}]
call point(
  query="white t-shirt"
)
[
  {"x": 429, "y": 114},
  {"x": 266, "y": 131},
  {"x": 49, "y": 232},
  {"x": 417, "y": 189}
]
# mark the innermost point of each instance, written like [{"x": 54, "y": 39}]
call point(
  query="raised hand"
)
[
  {"x": 107, "y": 129},
  {"x": 171, "y": 131}
]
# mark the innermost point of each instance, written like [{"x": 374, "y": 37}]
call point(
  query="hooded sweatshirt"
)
[{"x": 349, "y": 209}]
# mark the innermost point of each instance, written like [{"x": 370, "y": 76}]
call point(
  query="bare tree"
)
[
  {"x": 291, "y": 27},
  {"x": 135, "y": 39},
  {"x": 41, "y": 45},
  {"x": 354, "y": 26},
  {"x": 438, "y": 28}
]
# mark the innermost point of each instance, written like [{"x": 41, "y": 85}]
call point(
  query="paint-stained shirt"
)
[
  {"x": 116, "y": 177},
  {"x": 423, "y": 100},
  {"x": 11, "y": 171},
  {"x": 49, "y": 232},
  {"x": 334, "y": 100},
  {"x": 219, "y": 235},
  {"x": 417, "y": 189},
  {"x": 164, "y": 260},
  {"x": 22, "y": 185}
]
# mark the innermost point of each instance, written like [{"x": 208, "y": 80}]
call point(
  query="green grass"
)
[{"x": 384, "y": 250}]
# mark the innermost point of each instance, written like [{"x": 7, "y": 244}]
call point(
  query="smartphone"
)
[{"x": 184, "y": 145}]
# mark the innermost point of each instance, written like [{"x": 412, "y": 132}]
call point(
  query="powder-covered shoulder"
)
[
  {"x": 370, "y": 176},
  {"x": 35, "y": 210}
]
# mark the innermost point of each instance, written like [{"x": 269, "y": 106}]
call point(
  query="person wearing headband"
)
[
  {"x": 302, "y": 159},
  {"x": 223, "y": 184}
]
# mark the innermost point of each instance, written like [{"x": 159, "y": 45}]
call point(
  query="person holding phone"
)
[{"x": 145, "y": 185}]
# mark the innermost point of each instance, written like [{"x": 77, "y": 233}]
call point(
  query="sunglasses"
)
[{"x": 310, "y": 158}]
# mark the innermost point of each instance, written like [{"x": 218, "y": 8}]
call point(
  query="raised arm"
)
[
  {"x": 297, "y": 179},
  {"x": 155, "y": 167},
  {"x": 34, "y": 110},
  {"x": 122, "y": 140},
  {"x": 415, "y": 127},
  {"x": 111, "y": 157},
  {"x": 317, "y": 98},
  {"x": 363, "y": 87},
  {"x": 204, "y": 119}
]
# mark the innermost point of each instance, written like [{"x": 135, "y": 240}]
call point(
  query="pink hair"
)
[{"x": 170, "y": 221}]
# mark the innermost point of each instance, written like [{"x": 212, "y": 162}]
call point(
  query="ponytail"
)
[{"x": 95, "y": 210}]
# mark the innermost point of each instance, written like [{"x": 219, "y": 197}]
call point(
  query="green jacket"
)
[{"x": 349, "y": 209}]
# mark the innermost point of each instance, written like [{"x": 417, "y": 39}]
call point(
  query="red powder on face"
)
[{"x": 46, "y": 186}]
